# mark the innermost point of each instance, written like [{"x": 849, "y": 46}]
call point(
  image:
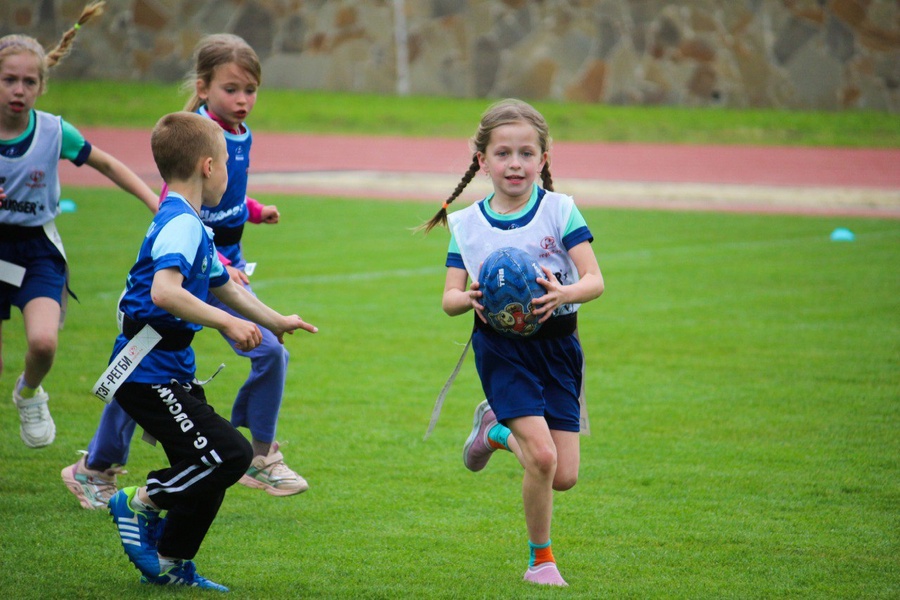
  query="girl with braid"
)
[
  {"x": 532, "y": 384},
  {"x": 33, "y": 272}
]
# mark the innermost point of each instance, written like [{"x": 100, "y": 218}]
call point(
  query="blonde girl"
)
[
  {"x": 532, "y": 385},
  {"x": 33, "y": 270}
]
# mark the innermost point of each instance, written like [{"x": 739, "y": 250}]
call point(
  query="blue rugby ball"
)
[{"x": 508, "y": 282}]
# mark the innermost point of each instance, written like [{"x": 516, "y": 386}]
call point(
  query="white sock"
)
[
  {"x": 136, "y": 504},
  {"x": 167, "y": 563}
]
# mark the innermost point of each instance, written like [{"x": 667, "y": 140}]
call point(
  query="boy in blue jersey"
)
[
  {"x": 225, "y": 80},
  {"x": 163, "y": 306}
]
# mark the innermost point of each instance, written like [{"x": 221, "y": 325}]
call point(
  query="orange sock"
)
[
  {"x": 498, "y": 437},
  {"x": 541, "y": 554}
]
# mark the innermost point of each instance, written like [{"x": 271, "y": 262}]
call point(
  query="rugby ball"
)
[{"x": 508, "y": 281}]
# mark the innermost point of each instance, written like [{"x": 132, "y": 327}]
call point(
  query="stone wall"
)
[{"x": 821, "y": 54}]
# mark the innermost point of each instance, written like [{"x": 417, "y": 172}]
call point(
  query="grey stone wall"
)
[{"x": 820, "y": 54}]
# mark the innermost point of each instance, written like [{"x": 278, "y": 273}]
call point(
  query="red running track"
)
[{"x": 860, "y": 169}]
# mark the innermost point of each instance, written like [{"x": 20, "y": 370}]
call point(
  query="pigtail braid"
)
[
  {"x": 94, "y": 9},
  {"x": 441, "y": 217},
  {"x": 546, "y": 178}
]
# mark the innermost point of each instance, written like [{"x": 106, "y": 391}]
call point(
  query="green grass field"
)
[{"x": 743, "y": 391}]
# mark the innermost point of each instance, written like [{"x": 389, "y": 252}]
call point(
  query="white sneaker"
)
[{"x": 37, "y": 427}]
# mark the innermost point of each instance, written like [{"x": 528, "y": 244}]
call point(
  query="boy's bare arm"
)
[
  {"x": 248, "y": 305},
  {"x": 168, "y": 294}
]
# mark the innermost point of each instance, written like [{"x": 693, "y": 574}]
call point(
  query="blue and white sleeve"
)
[{"x": 177, "y": 243}]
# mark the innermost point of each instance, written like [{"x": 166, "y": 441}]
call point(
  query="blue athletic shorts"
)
[
  {"x": 45, "y": 273},
  {"x": 540, "y": 377}
]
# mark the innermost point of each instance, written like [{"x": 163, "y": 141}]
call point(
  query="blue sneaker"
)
[
  {"x": 139, "y": 531},
  {"x": 184, "y": 573}
]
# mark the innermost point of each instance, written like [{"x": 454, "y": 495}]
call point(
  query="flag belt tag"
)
[{"x": 125, "y": 362}]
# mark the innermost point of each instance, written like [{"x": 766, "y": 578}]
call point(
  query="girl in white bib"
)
[
  {"x": 33, "y": 271},
  {"x": 532, "y": 384}
]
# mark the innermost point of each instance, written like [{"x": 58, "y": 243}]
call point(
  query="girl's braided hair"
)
[
  {"x": 503, "y": 112},
  {"x": 16, "y": 43}
]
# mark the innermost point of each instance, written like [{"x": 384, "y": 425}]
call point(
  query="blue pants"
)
[
  {"x": 256, "y": 406},
  {"x": 258, "y": 401}
]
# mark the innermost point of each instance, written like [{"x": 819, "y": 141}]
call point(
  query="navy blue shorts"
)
[
  {"x": 531, "y": 378},
  {"x": 45, "y": 273}
]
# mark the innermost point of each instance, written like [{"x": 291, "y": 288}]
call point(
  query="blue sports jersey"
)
[
  {"x": 232, "y": 210},
  {"x": 176, "y": 238}
]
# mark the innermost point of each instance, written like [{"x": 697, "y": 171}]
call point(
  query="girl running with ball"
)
[{"x": 532, "y": 384}]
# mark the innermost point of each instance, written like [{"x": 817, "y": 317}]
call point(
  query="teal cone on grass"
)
[{"x": 842, "y": 234}]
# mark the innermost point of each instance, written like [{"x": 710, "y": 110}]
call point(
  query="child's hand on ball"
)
[{"x": 474, "y": 297}]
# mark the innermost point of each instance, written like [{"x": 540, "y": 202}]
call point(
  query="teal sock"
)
[
  {"x": 532, "y": 549},
  {"x": 499, "y": 434}
]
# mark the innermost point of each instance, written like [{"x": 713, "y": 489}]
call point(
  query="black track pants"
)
[{"x": 206, "y": 453}]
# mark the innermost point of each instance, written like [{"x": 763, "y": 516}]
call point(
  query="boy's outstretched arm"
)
[
  {"x": 168, "y": 294},
  {"x": 243, "y": 302}
]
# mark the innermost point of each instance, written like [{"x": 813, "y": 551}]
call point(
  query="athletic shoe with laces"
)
[
  {"x": 184, "y": 573},
  {"x": 92, "y": 488},
  {"x": 545, "y": 574},
  {"x": 139, "y": 531},
  {"x": 477, "y": 450},
  {"x": 37, "y": 428},
  {"x": 269, "y": 473}
]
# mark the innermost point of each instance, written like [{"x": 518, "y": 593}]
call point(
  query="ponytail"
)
[
  {"x": 16, "y": 43},
  {"x": 94, "y": 9}
]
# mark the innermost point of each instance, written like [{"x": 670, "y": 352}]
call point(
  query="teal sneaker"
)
[
  {"x": 139, "y": 531},
  {"x": 184, "y": 573}
]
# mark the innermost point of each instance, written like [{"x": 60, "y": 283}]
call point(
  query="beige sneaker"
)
[
  {"x": 271, "y": 474},
  {"x": 37, "y": 428},
  {"x": 92, "y": 488}
]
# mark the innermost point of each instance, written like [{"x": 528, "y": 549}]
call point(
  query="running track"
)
[{"x": 852, "y": 182}]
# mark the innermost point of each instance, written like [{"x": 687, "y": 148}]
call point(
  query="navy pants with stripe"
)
[{"x": 206, "y": 453}]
